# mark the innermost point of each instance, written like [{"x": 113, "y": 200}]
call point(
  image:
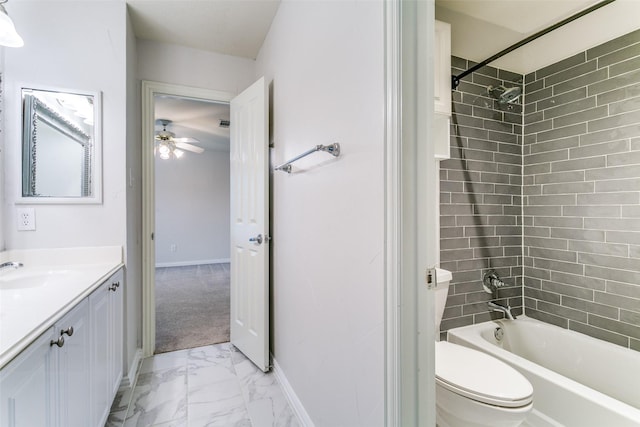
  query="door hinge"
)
[{"x": 431, "y": 278}]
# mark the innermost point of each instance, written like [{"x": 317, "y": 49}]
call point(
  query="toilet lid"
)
[{"x": 478, "y": 376}]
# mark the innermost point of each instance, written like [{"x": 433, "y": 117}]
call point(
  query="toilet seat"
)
[{"x": 478, "y": 376}]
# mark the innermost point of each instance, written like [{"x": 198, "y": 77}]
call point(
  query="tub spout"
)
[
  {"x": 10, "y": 264},
  {"x": 494, "y": 306}
]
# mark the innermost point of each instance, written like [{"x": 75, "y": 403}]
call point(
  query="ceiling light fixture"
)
[
  {"x": 168, "y": 150},
  {"x": 8, "y": 34}
]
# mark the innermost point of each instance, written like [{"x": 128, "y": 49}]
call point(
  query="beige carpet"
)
[{"x": 192, "y": 306}]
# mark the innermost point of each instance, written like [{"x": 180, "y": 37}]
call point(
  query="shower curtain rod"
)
[{"x": 455, "y": 80}]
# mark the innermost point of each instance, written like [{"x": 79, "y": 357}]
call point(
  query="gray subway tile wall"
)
[
  {"x": 581, "y": 197},
  {"x": 480, "y": 196},
  {"x": 548, "y": 194}
]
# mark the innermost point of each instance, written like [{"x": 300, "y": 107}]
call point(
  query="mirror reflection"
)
[{"x": 59, "y": 144}]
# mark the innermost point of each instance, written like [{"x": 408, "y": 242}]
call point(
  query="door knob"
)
[{"x": 257, "y": 240}]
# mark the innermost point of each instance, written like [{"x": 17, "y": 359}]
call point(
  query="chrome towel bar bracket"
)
[{"x": 333, "y": 149}]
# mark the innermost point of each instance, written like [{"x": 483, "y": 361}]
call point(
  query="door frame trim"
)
[
  {"x": 149, "y": 90},
  {"x": 411, "y": 209},
  {"x": 393, "y": 215}
]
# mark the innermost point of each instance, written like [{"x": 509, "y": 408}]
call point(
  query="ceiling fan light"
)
[
  {"x": 163, "y": 148},
  {"x": 165, "y": 134},
  {"x": 178, "y": 153},
  {"x": 165, "y": 156}
]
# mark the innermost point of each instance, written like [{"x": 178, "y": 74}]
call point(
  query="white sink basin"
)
[{"x": 33, "y": 278}]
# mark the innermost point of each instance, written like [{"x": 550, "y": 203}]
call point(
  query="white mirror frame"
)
[{"x": 96, "y": 197}]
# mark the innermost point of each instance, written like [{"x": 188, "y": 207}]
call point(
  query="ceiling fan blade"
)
[
  {"x": 186, "y": 139},
  {"x": 189, "y": 147}
]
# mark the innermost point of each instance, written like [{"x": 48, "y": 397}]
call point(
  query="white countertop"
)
[{"x": 51, "y": 282}]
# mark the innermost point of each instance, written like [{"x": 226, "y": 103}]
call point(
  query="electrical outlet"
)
[
  {"x": 174, "y": 247},
  {"x": 26, "y": 219}
]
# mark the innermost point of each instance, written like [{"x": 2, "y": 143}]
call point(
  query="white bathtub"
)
[{"x": 578, "y": 381}]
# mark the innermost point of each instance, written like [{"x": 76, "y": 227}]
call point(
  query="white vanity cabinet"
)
[
  {"x": 47, "y": 383},
  {"x": 28, "y": 385},
  {"x": 106, "y": 346},
  {"x": 117, "y": 333},
  {"x": 73, "y": 366},
  {"x": 69, "y": 375}
]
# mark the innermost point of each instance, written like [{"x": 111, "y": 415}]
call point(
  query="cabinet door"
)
[
  {"x": 100, "y": 387},
  {"x": 442, "y": 68},
  {"x": 28, "y": 385},
  {"x": 74, "y": 370},
  {"x": 116, "y": 330}
]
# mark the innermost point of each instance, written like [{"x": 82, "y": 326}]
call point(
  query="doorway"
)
[
  {"x": 151, "y": 90},
  {"x": 249, "y": 208},
  {"x": 192, "y": 260}
]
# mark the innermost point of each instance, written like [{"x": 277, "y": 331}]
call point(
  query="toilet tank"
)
[{"x": 443, "y": 278}]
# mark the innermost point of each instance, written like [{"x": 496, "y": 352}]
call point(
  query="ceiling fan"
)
[{"x": 169, "y": 146}]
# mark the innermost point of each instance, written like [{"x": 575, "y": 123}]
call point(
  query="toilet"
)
[{"x": 474, "y": 389}]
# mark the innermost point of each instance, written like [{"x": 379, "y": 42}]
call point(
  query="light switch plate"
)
[{"x": 26, "y": 219}]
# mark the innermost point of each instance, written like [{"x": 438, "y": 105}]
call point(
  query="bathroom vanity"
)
[{"x": 61, "y": 335}]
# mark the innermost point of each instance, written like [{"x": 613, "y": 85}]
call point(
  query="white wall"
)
[
  {"x": 89, "y": 47},
  {"x": 192, "y": 209},
  {"x": 168, "y": 63},
  {"x": 55, "y": 55},
  {"x": 325, "y": 60}
]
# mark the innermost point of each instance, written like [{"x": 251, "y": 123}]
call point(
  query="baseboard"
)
[
  {"x": 130, "y": 378},
  {"x": 189, "y": 263},
  {"x": 290, "y": 395}
]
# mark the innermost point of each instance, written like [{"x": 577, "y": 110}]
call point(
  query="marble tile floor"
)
[{"x": 209, "y": 386}]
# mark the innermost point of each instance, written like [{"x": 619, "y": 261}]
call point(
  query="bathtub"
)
[{"x": 578, "y": 381}]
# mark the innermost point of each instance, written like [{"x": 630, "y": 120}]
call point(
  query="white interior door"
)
[{"x": 250, "y": 224}]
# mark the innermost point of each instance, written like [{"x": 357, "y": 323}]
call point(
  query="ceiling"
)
[
  {"x": 230, "y": 27},
  {"x": 482, "y": 28},
  {"x": 195, "y": 119}
]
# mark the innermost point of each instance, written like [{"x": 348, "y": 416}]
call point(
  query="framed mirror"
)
[{"x": 61, "y": 146}]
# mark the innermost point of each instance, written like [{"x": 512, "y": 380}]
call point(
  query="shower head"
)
[{"x": 505, "y": 95}]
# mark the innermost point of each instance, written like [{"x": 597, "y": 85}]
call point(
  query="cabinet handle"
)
[
  {"x": 112, "y": 288},
  {"x": 68, "y": 331},
  {"x": 59, "y": 342},
  {"x": 116, "y": 284}
]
